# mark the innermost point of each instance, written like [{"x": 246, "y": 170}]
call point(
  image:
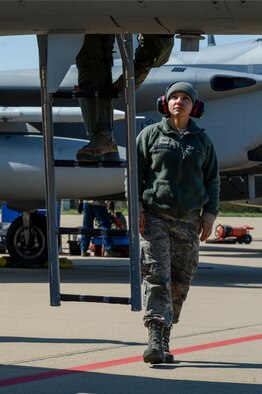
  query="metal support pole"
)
[
  {"x": 251, "y": 187},
  {"x": 126, "y": 48},
  {"x": 46, "y": 98}
]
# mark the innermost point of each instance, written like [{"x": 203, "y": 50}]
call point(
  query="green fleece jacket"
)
[{"x": 177, "y": 172}]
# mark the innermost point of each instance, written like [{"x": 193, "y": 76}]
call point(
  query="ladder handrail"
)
[
  {"x": 126, "y": 47},
  {"x": 52, "y": 239}
]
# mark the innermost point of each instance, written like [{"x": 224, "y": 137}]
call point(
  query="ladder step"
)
[
  {"x": 95, "y": 164},
  {"x": 93, "y": 232},
  {"x": 92, "y": 298},
  {"x": 87, "y": 93},
  {"x": 64, "y": 94},
  {"x": 91, "y": 93}
]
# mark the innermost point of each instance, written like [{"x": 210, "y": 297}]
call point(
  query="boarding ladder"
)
[{"x": 126, "y": 48}]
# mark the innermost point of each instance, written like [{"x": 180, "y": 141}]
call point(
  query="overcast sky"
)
[{"x": 21, "y": 51}]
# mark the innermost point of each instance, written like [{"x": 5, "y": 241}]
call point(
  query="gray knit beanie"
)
[{"x": 184, "y": 87}]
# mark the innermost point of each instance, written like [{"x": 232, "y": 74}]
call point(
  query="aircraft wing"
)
[{"x": 150, "y": 16}]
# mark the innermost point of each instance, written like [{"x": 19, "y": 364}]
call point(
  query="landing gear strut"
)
[{"x": 26, "y": 238}]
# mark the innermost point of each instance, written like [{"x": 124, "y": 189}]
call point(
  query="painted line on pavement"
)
[{"x": 122, "y": 361}]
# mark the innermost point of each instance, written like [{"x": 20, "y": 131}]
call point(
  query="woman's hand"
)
[{"x": 205, "y": 230}]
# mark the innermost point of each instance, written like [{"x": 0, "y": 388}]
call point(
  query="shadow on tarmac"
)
[
  {"x": 65, "y": 381},
  {"x": 207, "y": 364},
  {"x": 208, "y": 274},
  {"x": 9, "y": 339},
  {"x": 225, "y": 251},
  {"x": 225, "y": 275}
]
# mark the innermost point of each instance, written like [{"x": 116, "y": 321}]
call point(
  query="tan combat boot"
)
[
  {"x": 168, "y": 356},
  {"x": 101, "y": 146},
  {"x": 154, "y": 353}
]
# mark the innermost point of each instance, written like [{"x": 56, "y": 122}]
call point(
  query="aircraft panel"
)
[
  {"x": 10, "y": 26},
  {"x": 211, "y": 17},
  {"x": 127, "y": 23},
  {"x": 245, "y": 10},
  {"x": 89, "y": 24}
]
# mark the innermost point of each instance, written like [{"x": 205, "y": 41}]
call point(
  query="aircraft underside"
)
[{"x": 188, "y": 20}]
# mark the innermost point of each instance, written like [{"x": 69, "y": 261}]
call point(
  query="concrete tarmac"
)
[{"x": 97, "y": 348}]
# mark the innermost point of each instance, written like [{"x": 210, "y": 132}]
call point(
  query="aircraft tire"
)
[
  {"x": 247, "y": 238},
  {"x": 36, "y": 251}
]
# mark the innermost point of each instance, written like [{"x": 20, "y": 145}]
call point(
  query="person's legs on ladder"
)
[
  {"x": 153, "y": 51},
  {"x": 94, "y": 63}
]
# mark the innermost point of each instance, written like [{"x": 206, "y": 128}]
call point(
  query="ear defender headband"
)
[{"x": 162, "y": 105}]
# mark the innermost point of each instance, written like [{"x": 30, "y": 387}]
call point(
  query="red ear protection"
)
[
  {"x": 197, "y": 111},
  {"x": 162, "y": 105}
]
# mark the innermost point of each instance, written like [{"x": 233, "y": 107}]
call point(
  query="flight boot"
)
[
  {"x": 154, "y": 353},
  {"x": 168, "y": 356},
  {"x": 101, "y": 147},
  {"x": 98, "y": 120}
]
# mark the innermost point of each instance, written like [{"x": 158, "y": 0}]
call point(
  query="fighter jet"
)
[
  {"x": 229, "y": 81},
  {"x": 225, "y": 91}
]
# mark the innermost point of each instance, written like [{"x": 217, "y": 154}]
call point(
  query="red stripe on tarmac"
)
[
  {"x": 122, "y": 361},
  {"x": 217, "y": 344}
]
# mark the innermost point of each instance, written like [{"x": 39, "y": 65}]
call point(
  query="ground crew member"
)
[{"x": 178, "y": 183}]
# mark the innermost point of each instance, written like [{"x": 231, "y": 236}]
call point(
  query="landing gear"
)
[{"x": 26, "y": 238}]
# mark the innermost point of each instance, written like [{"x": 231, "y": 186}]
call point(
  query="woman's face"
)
[{"x": 180, "y": 105}]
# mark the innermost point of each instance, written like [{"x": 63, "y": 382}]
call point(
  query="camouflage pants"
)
[
  {"x": 169, "y": 256},
  {"x": 154, "y": 49},
  {"x": 94, "y": 63}
]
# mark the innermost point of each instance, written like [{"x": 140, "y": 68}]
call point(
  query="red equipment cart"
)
[{"x": 240, "y": 234}]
